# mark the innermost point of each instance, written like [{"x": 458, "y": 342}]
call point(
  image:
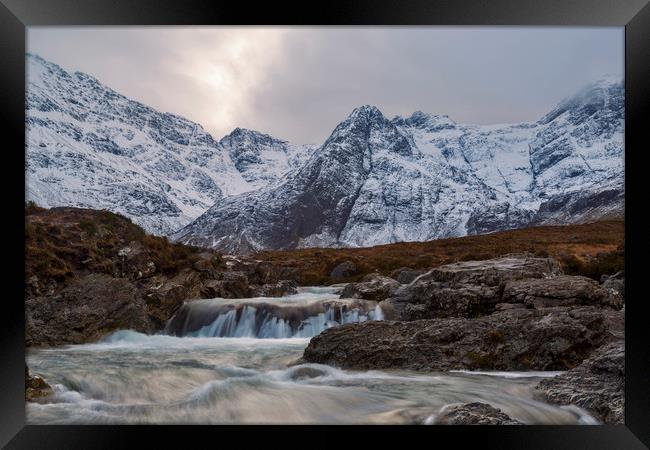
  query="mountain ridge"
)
[
  {"x": 373, "y": 181},
  {"x": 90, "y": 146},
  {"x": 423, "y": 177}
]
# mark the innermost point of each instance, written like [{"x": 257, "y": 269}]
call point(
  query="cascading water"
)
[
  {"x": 195, "y": 374},
  {"x": 305, "y": 314}
]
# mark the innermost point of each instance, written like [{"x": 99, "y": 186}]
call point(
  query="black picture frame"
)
[{"x": 16, "y": 15}]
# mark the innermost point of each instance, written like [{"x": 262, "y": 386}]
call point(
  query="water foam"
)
[{"x": 302, "y": 315}]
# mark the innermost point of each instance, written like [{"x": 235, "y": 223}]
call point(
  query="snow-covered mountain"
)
[
  {"x": 89, "y": 146},
  {"x": 373, "y": 181},
  {"x": 377, "y": 181},
  {"x": 262, "y": 159}
]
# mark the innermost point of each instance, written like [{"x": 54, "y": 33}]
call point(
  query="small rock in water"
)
[
  {"x": 475, "y": 413},
  {"x": 35, "y": 387},
  {"x": 306, "y": 372},
  {"x": 279, "y": 289}
]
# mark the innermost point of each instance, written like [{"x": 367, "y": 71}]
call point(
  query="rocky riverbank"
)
[
  {"x": 597, "y": 384},
  {"x": 91, "y": 272},
  {"x": 517, "y": 312}
]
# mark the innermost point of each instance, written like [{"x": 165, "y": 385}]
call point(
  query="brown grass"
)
[
  {"x": 587, "y": 249},
  {"x": 62, "y": 241}
]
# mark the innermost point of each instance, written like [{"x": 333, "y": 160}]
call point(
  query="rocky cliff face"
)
[
  {"x": 262, "y": 159},
  {"x": 377, "y": 181}
]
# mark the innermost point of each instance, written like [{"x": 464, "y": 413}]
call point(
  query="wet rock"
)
[
  {"x": 304, "y": 372},
  {"x": 405, "y": 275},
  {"x": 289, "y": 273},
  {"x": 493, "y": 272},
  {"x": 469, "y": 288},
  {"x": 516, "y": 339},
  {"x": 372, "y": 287},
  {"x": 85, "y": 310},
  {"x": 231, "y": 285},
  {"x": 442, "y": 301},
  {"x": 263, "y": 272},
  {"x": 506, "y": 306},
  {"x": 207, "y": 263},
  {"x": 562, "y": 290},
  {"x": 597, "y": 385},
  {"x": 260, "y": 272},
  {"x": 35, "y": 387},
  {"x": 32, "y": 285},
  {"x": 615, "y": 285},
  {"x": 344, "y": 270},
  {"x": 164, "y": 300},
  {"x": 279, "y": 289},
  {"x": 475, "y": 413},
  {"x": 134, "y": 261}
]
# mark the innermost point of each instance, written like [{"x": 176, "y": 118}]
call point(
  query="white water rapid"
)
[{"x": 230, "y": 361}]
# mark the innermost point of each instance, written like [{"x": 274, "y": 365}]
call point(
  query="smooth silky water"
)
[{"x": 230, "y": 361}]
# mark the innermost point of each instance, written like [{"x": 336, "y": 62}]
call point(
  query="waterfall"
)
[{"x": 302, "y": 315}]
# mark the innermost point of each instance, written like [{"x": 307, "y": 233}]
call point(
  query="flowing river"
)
[{"x": 230, "y": 361}]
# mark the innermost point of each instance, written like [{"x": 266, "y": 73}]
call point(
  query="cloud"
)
[{"x": 297, "y": 83}]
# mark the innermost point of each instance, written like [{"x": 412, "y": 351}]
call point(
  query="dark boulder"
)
[
  {"x": 372, "y": 287},
  {"x": 344, "y": 270},
  {"x": 506, "y": 306},
  {"x": 260, "y": 272},
  {"x": 597, "y": 385},
  {"x": 163, "y": 300},
  {"x": 209, "y": 264},
  {"x": 405, "y": 275},
  {"x": 477, "y": 288},
  {"x": 441, "y": 301},
  {"x": 305, "y": 372},
  {"x": 134, "y": 261},
  {"x": 562, "y": 290},
  {"x": 493, "y": 272},
  {"x": 615, "y": 285},
  {"x": 516, "y": 339},
  {"x": 230, "y": 285},
  {"x": 279, "y": 289},
  {"x": 475, "y": 413},
  {"x": 85, "y": 310},
  {"x": 35, "y": 387}
]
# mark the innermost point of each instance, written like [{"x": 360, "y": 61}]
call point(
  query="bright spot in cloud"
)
[{"x": 297, "y": 83}]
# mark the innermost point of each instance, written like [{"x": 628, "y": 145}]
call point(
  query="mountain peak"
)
[
  {"x": 364, "y": 116},
  {"x": 239, "y": 136},
  {"x": 366, "y": 112},
  {"x": 607, "y": 80},
  {"x": 599, "y": 96},
  {"x": 426, "y": 121}
]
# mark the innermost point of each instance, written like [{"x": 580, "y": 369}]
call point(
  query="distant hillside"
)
[{"x": 591, "y": 249}]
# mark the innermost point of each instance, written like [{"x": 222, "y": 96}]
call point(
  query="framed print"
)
[{"x": 405, "y": 218}]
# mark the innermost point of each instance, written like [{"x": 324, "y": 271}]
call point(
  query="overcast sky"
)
[{"x": 298, "y": 83}]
